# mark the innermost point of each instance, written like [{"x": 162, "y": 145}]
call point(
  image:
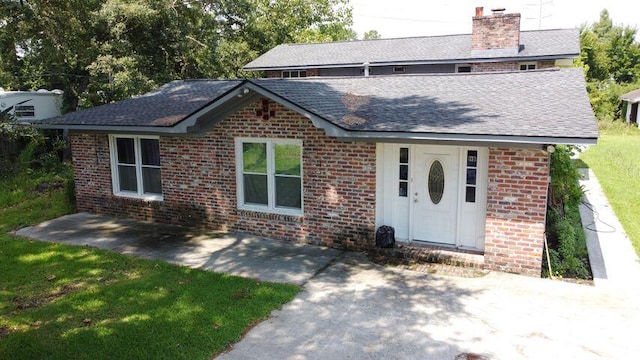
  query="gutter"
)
[{"x": 426, "y": 62}]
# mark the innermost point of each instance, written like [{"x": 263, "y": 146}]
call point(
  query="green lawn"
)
[
  {"x": 65, "y": 302},
  {"x": 616, "y": 163}
]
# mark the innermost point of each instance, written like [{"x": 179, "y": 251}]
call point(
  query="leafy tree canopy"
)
[
  {"x": 611, "y": 58},
  {"x": 99, "y": 51},
  {"x": 371, "y": 34}
]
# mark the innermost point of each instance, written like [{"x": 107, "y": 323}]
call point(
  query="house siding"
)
[
  {"x": 199, "y": 181},
  {"x": 516, "y": 210}
]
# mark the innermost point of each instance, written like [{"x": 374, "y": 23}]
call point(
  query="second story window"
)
[
  {"x": 294, "y": 73},
  {"x": 525, "y": 66},
  {"x": 463, "y": 68}
]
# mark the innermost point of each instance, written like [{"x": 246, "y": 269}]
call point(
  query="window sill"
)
[
  {"x": 267, "y": 210},
  {"x": 139, "y": 197},
  {"x": 259, "y": 214}
]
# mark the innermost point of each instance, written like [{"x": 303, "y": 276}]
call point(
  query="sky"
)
[{"x": 405, "y": 18}]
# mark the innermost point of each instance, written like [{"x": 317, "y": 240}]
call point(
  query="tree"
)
[
  {"x": 371, "y": 34},
  {"x": 611, "y": 58},
  {"x": 99, "y": 51}
]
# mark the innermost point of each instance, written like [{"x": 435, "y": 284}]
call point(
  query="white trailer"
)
[{"x": 31, "y": 105}]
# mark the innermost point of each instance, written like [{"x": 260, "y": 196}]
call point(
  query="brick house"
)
[{"x": 450, "y": 159}]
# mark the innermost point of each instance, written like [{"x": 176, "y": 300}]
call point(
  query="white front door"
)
[{"x": 435, "y": 194}]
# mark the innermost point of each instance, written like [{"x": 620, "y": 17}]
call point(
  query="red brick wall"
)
[
  {"x": 516, "y": 208},
  {"x": 494, "y": 66},
  {"x": 199, "y": 182},
  {"x": 496, "y": 32}
]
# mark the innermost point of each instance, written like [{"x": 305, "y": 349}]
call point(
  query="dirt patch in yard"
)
[
  {"x": 23, "y": 302},
  {"x": 4, "y": 330}
]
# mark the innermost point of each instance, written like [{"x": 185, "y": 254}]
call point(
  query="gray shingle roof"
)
[
  {"x": 165, "y": 106},
  {"x": 542, "y": 103},
  {"x": 539, "y": 43},
  {"x": 631, "y": 96}
]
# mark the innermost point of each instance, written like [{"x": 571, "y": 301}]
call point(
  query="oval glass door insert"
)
[{"x": 435, "y": 183}]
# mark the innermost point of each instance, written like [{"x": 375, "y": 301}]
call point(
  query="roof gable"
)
[{"x": 429, "y": 49}]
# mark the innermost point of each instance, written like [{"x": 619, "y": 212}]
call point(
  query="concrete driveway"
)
[{"x": 353, "y": 309}]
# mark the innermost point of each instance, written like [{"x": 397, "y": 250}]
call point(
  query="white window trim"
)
[
  {"x": 271, "y": 207},
  {"x": 299, "y": 72},
  {"x": 527, "y": 63},
  {"x": 114, "y": 168},
  {"x": 461, "y": 65}
]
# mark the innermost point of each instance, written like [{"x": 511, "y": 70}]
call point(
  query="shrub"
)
[{"x": 566, "y": 238}]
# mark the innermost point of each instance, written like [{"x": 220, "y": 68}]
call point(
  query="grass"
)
[
  {"x": 66, "y": 302},
  {"x": 615, "y": 163}
]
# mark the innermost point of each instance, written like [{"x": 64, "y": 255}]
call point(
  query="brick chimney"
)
[{"x": 498, "y": 31}]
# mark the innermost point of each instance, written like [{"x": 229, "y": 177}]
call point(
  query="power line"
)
[{"x": 411, "y": 19}]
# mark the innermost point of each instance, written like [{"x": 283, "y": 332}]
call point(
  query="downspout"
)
[{"x": 366, "y": 68}]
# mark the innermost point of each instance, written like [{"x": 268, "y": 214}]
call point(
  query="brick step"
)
[{"x": 427, "y": 253}]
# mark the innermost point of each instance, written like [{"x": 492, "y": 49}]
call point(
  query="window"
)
[
  {"x": 25, "y": 111},
  {"x": 524, "y": 66},
  {"x": 403, "y": 177},
  {"x": 463, "y": 68},
  {"x": 399, "y": 69},
  {"x": 294, "y": 73},
  {"x": 472, "y": 176},
  {"x": 135, "y": 166},
  {"x": 269, "y": 175},
  {"x": 435, "y": 182}
]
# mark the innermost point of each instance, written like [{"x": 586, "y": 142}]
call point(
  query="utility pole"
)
[{"x": 541, "y": 13}]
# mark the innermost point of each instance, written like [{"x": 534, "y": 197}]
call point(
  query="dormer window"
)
[
  {"x": 294, "y": 73},
  {"x": 526, "y": 66}
]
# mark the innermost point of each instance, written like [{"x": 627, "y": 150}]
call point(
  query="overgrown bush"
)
[
  {"x": 565, "y": 235},
  {"x": 605, "y": 98},
  {"x": 37, "y": 167}
]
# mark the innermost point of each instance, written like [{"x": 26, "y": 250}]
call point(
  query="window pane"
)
[
  {"x": 288, "y": 159},
  {"x": 403, "y": 189},
  {"x": 127, "y": 178},
  {"x": 472, "y": 158},
  {"x": 471, "y": 194},
  {"x": 151, "y": 181},
  {"x": 255, "y": 189},
  {"x": 126, "y": 152},
  {"x": 523, "y": 67},
  {"x": 436, "y": 182},
  {"x": 288, "y": 192},
  {"x": 150, "y": 150},
  {"x": 404, "y": 155},
  {"x": 471, "y": 176},
  {"x": 404, "y": 172},
  {"x": 254, "y": 157},
  {"x": 303, "y": 73}
]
